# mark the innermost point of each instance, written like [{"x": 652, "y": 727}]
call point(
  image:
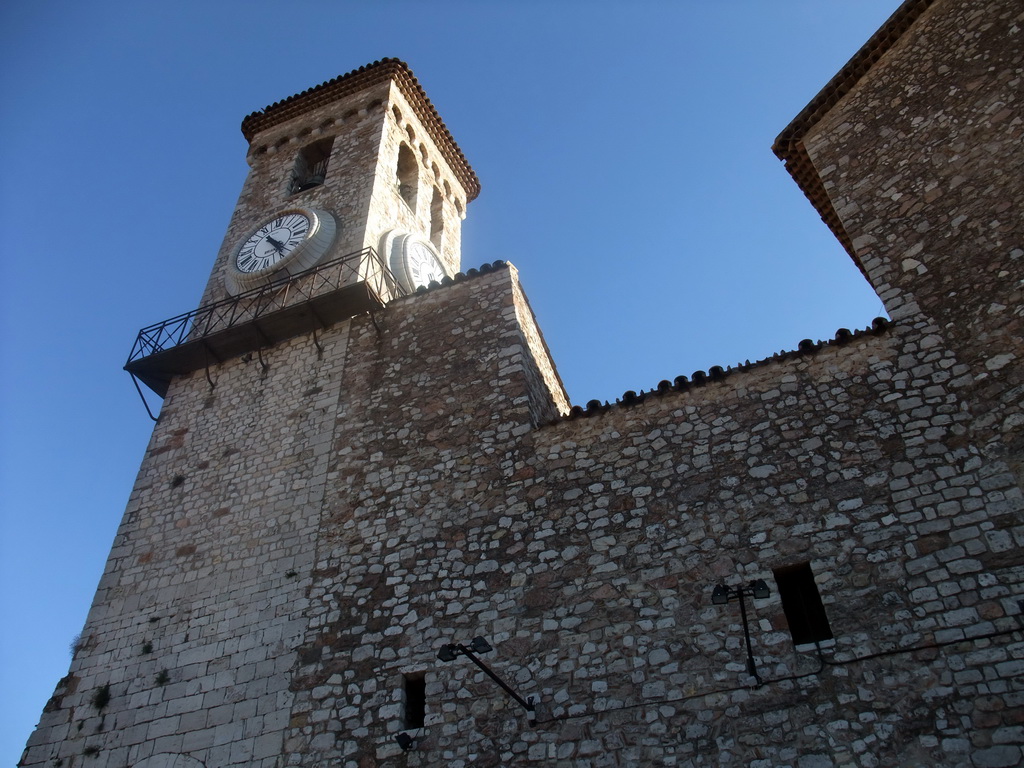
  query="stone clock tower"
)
[
  {"x": 355, "y": 185},
  {"x": 369, "y": 151},
  {"x": 336, "y": 344}
]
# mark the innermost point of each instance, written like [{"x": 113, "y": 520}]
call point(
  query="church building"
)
[{"x": 370, "y": 529}]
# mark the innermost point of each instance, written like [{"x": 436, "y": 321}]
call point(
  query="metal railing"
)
[{"x": 363, "y": 266}]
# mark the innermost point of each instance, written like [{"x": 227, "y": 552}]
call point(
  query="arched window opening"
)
[
  {"x": 436, "y": 218},
  {"x": 408, "y": 175},
  {"x": 311, "y": 165}
]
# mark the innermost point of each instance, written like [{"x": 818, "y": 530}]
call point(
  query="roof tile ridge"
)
[
  {"x": 438, "y": 130},
  {"x": 401, "y": 73},
  {"x": 805, "y": 348},
  {"x": 843, "y": 81},
  {"x": 788, "y": 145},
  {"x": 373, "y": 66},
  {"x": 459, "y": 277}
]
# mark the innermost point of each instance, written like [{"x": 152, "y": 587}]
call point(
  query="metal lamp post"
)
[
  {"x": 451, "y": 651},
  {"x": 757, "y": 589}
]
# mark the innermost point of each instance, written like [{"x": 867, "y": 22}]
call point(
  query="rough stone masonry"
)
[{"x": 303, "y": 538}]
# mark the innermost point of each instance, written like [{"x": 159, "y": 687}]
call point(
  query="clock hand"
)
[{"x": 278, "y": 245}]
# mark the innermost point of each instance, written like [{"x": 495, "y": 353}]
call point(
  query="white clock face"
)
[
  {"x": 288, "y": 243},
  {"x": 422, "y": 266},
  {"x": 272, "y": 242},
  {"x": 413, "y": 261}
]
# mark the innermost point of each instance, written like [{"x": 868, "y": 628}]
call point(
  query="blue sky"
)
[{"x": 624, "y": 154}]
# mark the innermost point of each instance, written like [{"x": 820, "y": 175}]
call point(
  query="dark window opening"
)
[
  {"x": 311, "y": 165},
  {"x": 436, "y": 219},
  {"x": 801, "y": 602},
  {"x": 415, "y": 700},
  {"x": 408, "y": 175}
]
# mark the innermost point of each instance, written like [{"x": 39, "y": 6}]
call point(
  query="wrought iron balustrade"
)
[{"x": 282, "y": 309}]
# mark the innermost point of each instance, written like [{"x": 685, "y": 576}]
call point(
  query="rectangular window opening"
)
[
  {"x": 415, "y": 700},
  {"x": 802, "y": 604}
]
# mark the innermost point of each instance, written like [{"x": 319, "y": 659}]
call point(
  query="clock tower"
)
[
  {"x": 370, "y": 147},
  {"x": 337, "y": 343},
  {"x": 368, "y": 153},
  {"x": 355, "y": 196}
]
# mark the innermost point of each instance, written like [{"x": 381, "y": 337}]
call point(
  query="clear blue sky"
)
[{"x": 624, "y": 152}]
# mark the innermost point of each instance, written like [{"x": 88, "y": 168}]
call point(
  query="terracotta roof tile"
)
[
  {"x": 789, "y": 146},
  {"x": 716, "y": 373},
  {"x": 469, "y": 274},
  {"x": 355, "y": 81}
]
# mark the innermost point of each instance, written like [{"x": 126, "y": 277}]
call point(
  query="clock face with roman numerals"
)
[
  {"x": 422, "y": 266},
  {"x": 269, "y": 245},
  {"x": 413, "y": 261},
  {"x": 284, "y": 245}
]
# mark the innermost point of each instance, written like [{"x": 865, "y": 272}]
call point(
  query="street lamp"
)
[
  {"x": 451, "y": 651},
  {"x": 757, "y": 589},
  {"x": 405, "y": 741}
]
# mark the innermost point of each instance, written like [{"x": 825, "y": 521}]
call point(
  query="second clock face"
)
[
  {"x": 272, "y": 243},
  {"x": 413, "y": 260},
  {"x": 422, "y": 265}
]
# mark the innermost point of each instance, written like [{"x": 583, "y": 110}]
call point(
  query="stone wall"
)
[
  {"x": 199, "y": 611},
  {"x": 307, "y": 537},
  {"x": 923, "y": 161},
  {"x": 202, "y": 617},
  {"x": 585, "y": 551},
  {"x": 389, "y": 211}
]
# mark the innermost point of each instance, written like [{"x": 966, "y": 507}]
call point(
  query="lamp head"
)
[
  {"x": 405, "y": 741},
  {"x": 479, "y": 645},
  {"x": 721, "y": 595},
  {"x": 759, "y": 589},
  {"x": 447, "y": 652}
]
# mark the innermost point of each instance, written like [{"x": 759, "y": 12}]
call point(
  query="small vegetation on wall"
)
[
  {"x": 101, "y": 698},
  {"x": 163, "y": 678}
]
